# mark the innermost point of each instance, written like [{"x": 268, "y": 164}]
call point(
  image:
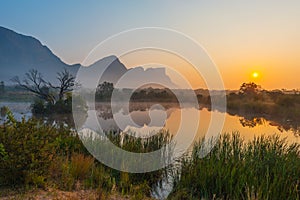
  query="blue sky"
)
[{"x": 239, "y": 35}]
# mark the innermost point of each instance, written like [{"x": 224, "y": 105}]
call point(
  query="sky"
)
[{"x": 241, "y": 37}]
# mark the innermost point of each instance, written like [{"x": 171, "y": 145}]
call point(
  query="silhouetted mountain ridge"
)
[{"x": 19, "y": 53}]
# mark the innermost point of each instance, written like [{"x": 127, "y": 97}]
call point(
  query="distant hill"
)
[
  {"x": 115, "y": 70},
  {"x": 20, "y": 53}
]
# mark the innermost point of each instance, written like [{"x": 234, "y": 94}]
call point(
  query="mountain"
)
[
  {"x": 130, "y": 78},
  {"x": 20, "y": 53},
  {"x": 154, "y": 77}
]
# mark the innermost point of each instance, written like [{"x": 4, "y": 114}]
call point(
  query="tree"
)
[
  {"x": 35, "y": 83},
  {"x": 52, "y": 98},
  {"x": 2, "y": 87},
  {"x": 104, "y": 91},
  {"x": 250, "y": 89},
  {"x": 66, "y": 83}
]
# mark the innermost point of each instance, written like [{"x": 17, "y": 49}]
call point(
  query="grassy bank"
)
[
  {"x": 36, "y": 156},
  {"x": 265, "y": 168}
]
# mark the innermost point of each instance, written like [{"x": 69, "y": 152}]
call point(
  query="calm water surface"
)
[
  {"x": 19, "y": 109},
  {"x": 146, "y": 119}
]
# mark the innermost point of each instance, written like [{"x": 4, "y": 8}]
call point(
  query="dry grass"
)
[
  {"x": 55, "y": 194},
  {"x": 80, "y": 166}
]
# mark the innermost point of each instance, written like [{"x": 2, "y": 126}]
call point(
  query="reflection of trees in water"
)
[
  {"x": 63, "y": 119},
  {"x": 294, "y": 128},
  {"x": 282, "y": 127},
  {"x": 104, "y": 110},
  {"x": 138, "y": 112},
  {"x": 252, "y": 122}
]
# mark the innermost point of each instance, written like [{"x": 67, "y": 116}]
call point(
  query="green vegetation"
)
[
  {"x": 51, "y": 99},
  {"x": 2, "y": 87},
  {"x": 153, "y": 95},
  {"x": 277, "y": 106},
  {"x": 104, "y": 91},
  {"x": 265, "y": 168},
  {"x": 34, "y": 154},
  {"x": 37, "y": 155},
  {"x": 252, "y": 99}
]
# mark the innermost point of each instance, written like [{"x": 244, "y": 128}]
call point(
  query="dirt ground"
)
[{"x": 59, "y": 195}]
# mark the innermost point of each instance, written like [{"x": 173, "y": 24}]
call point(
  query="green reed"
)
[{"x": 264, "y": 168}]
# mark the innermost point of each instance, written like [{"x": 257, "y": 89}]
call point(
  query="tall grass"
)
[
  {"x": 265, "y": 168},
  {"x": 41, "y": 155},
  {"x": 35, "y": 154},
  {"x": 139, "y": 184}
]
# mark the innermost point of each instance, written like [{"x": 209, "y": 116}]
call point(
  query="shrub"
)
[
  {"x": 3, "y": 111},
  {"x": 80, "y": 166},
  {"x": 38, "y": 107},
  {"x": 29, "y": 147}
]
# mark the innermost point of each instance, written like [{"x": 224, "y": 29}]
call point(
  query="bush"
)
[
  {"x": 29, "y": 147},
  {"x": 38, "y": 107},
  {"x": 3, "y": 111},
  {"x": 80, "y": 166},
  {"x": 63, "y": 106}
]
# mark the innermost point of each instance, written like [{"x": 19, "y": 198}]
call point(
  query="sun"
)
[{"x": 255, "y": 74}]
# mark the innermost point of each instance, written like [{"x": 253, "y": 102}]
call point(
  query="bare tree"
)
[
  {"x": 35, "y": 83},
  {"x": 66, "y": 83}
]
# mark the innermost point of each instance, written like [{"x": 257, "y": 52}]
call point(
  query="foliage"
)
[
  {"x": 64, "y": 106},
  {"x": 154, "y": 95},
  {"x": 3, "y": 111},
  {"x": 80, "y": 165},
  {"x": 249, "y": 89},
  {"x": 277, "y": 106},
  {"x": 104, "y": 91},
  {"x": 30, "y": 147},
  {"x": 38, "y": 107},
  {"x": 238, "y": 170},
  {"x": 2, "y": 87},
  {"x": 3, "y": 153},
  {"x": 40, "y": 155}
]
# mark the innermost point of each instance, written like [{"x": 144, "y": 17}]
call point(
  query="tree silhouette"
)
[
  {"x": 2, "y": 87},
  {"x": 250, "y": 89},
  {"x": 104, "y": 91},
  {"x": 66, "y": 83},
  {"x": 35, "y": 83}
]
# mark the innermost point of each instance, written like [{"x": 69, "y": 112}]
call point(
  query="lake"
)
[
  {"x": 19, "y": 109},
  {"x": 168, "y": 116}
]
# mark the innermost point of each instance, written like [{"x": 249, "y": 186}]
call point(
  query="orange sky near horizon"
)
[
  {"x": 270, "y": 73},
  {"x": 241, "y": 37}
]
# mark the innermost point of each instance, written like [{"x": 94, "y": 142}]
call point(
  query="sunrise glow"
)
[{"x": 255, "y": 74}]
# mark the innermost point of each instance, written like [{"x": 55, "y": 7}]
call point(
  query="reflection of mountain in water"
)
[{"x": 138, "y": 115}]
